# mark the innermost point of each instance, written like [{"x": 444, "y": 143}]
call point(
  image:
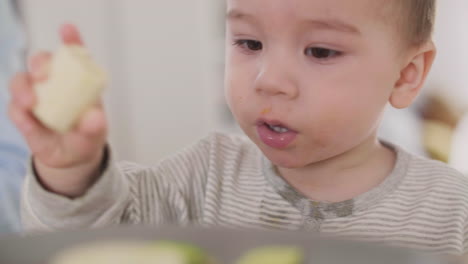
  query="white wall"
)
[
  {"x": 159, "y": 54},
  {"x": 163, "y": 64},
  {"x": 450, "y": 72}
]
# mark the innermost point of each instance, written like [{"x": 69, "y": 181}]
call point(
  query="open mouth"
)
[
  {"x": 277, "y": 128},
  {"x": 275, "y": 134}
]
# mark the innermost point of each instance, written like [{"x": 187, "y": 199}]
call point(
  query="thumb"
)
[
  {"x": 70, "y": 35},
  {"x": 93, "y": 122}
]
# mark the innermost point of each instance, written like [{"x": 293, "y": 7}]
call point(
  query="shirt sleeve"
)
[
  {"x": 126, "y": 193},
  {"x": 465, "y": 239}
]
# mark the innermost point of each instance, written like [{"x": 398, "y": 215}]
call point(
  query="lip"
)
[{"x": 273, "y": 139}]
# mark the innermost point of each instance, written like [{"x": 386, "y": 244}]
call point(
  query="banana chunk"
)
[
  {"x": 128, "y": 252},
  {"x": 73, "y": 85},
  {"x": 273, "y": 255}
]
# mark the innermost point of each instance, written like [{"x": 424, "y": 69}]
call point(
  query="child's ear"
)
[{"x": 412, "y": 76}]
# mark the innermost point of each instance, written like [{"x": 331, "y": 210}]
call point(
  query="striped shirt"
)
[{"x": 226, "y": 181}]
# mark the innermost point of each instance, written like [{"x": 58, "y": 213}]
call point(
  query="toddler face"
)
[{"x": 308, "y": 80}]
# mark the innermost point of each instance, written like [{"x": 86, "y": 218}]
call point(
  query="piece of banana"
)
[
  {"x": 273, "y": 255},
  {"x": 128, "y": 252},
  {"x": 73, "y": 85}
]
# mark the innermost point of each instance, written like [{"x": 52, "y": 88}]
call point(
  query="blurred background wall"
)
[{"x": 166, "y": 63}]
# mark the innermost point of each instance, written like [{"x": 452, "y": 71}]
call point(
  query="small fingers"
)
[
  {"x": 21, "y": 90},
  {"x": 39, "y": 66},
  {"x": 71, "y": 35}
]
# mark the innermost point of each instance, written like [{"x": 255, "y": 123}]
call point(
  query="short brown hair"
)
[{"x": 418, "y": 20}]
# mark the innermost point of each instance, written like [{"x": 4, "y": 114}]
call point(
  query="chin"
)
[{"x": 283, "y": 158}]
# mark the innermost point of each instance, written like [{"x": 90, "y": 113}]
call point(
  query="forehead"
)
[{"x": 356, "y": 12}]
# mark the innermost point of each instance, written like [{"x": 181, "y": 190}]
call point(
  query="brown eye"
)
[
  {"x": 321, "y": 53},
  {"x": 252, "y": 45}
]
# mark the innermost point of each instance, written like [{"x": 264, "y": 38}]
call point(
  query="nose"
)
[{"x": 276, "y": 78}]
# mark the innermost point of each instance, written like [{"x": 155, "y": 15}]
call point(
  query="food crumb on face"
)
[{"x": 266, "y": 111}]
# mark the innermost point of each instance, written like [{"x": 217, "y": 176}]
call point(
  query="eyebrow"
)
[
  {"x": 235, "y": 14},
  {"x": 325, "y": 24},
  {"x": 333, "y": 24}
]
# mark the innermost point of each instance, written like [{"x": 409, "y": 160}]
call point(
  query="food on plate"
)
[
  {"x": 273, "y": 255},
  {"x": 127, "y": 252}
]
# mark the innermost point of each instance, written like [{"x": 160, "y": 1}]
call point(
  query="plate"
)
[{"x": 225, "y": 245}]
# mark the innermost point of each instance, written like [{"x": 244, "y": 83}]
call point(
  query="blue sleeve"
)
[{"x": 13, "y": 150}]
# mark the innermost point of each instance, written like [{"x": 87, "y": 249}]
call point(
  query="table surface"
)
[{"x": 225, "y": 245}]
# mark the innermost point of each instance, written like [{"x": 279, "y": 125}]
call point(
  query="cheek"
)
[
  {"x": 233, "y": 91},
  {"x": 239, "y": 80},
  {"x": 237, "y": 98},
  {"x": 358, "y": 89},
  {"x": 347, "y": 106},
  {"x": 354, "y": 110}
]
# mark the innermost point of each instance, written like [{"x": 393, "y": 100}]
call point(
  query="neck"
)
[{"x": 345, "y": 176}]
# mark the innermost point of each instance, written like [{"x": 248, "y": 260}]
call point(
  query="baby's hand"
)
[{"x": 68, "y": 144}]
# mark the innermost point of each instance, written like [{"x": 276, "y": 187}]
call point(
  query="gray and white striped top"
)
[{"x": 226, "y": 181}]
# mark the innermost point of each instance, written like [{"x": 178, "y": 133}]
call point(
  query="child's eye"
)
[
  {"x": 248, "y": 44},
  {"x": 321, "y": 53}
]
